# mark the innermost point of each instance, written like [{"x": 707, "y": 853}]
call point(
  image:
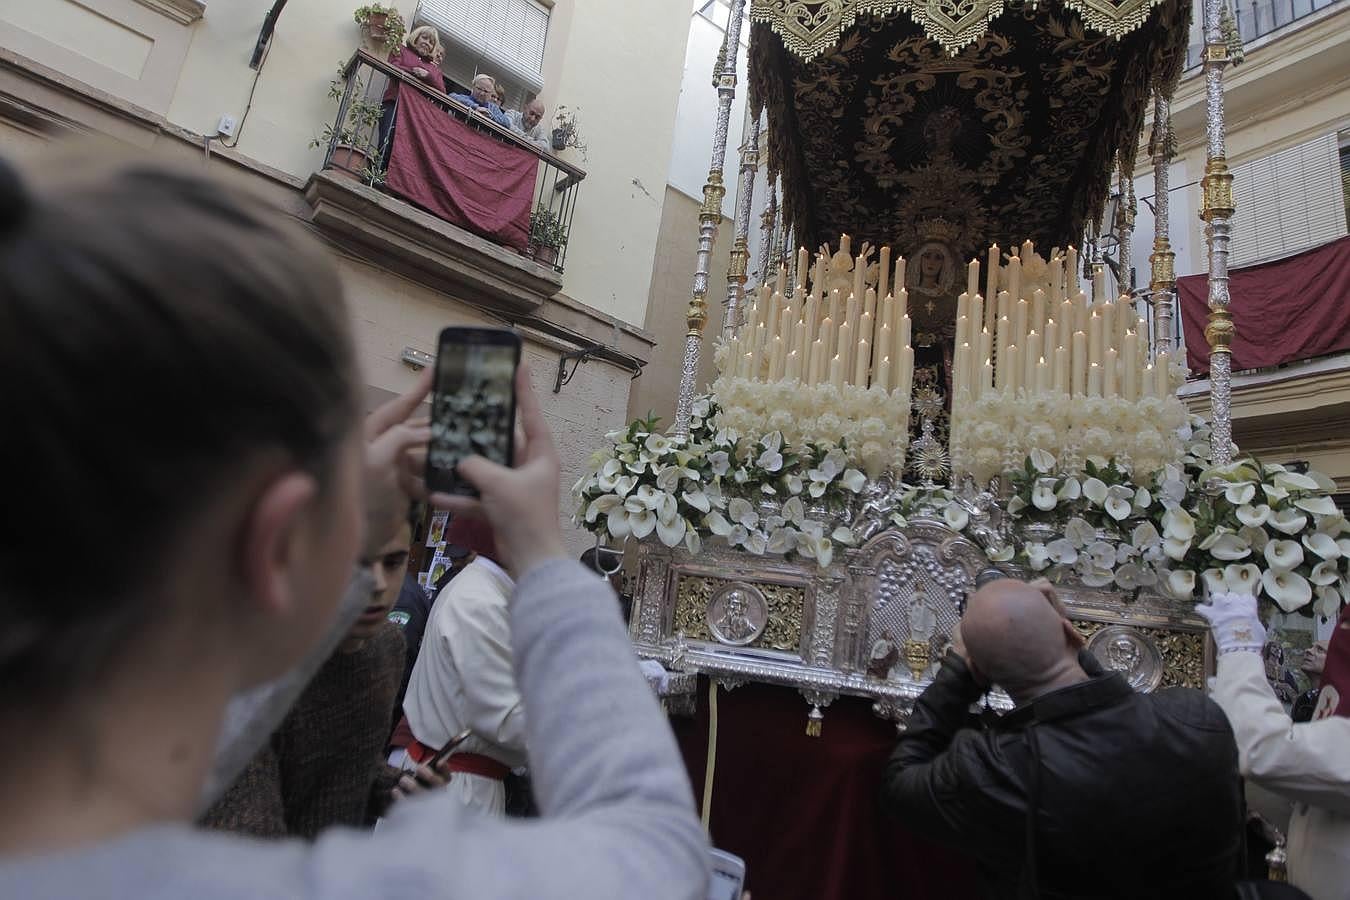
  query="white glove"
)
[
  {"x": 1233, "y": 621},
  {"x": 656, "y": 675}
]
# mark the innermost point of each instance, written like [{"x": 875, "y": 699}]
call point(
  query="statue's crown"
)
[{"x": 938, "y": 229}]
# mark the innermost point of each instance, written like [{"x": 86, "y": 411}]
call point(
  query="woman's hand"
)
[
  {"x": 521, "y": 503},
  {"x": 420, "y": 72}
]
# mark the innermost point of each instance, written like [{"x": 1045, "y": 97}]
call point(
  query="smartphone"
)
[
  {"x": 473, "y": 403},
  {"x": 728, "y": 876}
]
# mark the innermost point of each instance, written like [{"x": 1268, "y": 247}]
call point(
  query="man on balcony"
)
[
  {"x": 481, "y": 100},
  {"x": 529, "y": 123}
]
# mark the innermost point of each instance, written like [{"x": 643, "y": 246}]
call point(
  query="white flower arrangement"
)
[
  {"x": 755, "y": 491},
  {"x": 1251, "y": 527}
]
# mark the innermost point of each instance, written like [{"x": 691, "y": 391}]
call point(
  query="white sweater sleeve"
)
[{"x": 1307, "y": 762}]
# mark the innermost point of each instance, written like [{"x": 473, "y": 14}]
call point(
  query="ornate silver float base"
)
[{"x": 876, "y": 622}]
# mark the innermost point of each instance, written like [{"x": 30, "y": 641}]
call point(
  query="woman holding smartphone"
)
[{"x": 180, "y": 375}]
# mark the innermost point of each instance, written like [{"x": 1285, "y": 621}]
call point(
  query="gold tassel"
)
[{"x": 813, "y": 722}]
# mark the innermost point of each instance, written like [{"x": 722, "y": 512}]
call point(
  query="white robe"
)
[
  {"x": 463, "y": 679},
  {"x": 1308, "y": 763}
]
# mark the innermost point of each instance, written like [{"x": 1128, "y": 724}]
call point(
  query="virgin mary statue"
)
[{"x": 930, "y": 280}]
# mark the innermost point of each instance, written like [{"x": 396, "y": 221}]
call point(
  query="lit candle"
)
[
  {"x": 1108, "y": 314},
  {"x": 976, "y": 315},
  {"x": 1015, "y": 278},
  {"x": 733, "y": 357},
  {"x": 987, "y": 376},
  {"x": 757, "y": 345},
  {"x": 1031, "y": 351},
  {"x": 817, "y": 361},
  {"x": 1130, "y": 358},
  {"x": 901, "y": 306},
  {"x": 1021, "y": 312},
  {"x": 1004, "y": 309},
  {"x": 837, "y": 369},
  {"x": 904, "y": 335},
  {"x": 973, "y": 277},
  {"x": 843, "y": 345},
  {"x": 886, "y": 347},
  {"x": 906, "y": 374},
  {"x": 1095, "y": 339},
  {"x": 859, "y": 271},
  {"x": 863, "y": 359},
  {"x": 748, "y": 365},
  {"x": 867, "y": 328},
  {"x": 773, "y": 316},
  {"x": 1071, "y": 271},
  {"x": 869, "y": 310},
  {"x": 1164, "y": 374},
  {"x": 1094, "y": 380},
  {"x": 962, "y": 312},
  {"x": 818, "y": 280},
  {"x": 855, "y": 303},
  {"x": 1098, "y": 285},
  {"x": 792, "y": 366},
  {"x": 986, "y": 350},
  {"x": 1013, "y": 381},
  {"x": 803, "y": 267},
  {"x": 991, "y": 291},
  {"x": 836, "y": 301},
  {"x": 1005, "y": 339},
  {"x": 898, "y": 282},
  {"x": 1066, "y": 317},
  {"x": 961, "y": 369},
  {"x": 1080, "y": 312},
  {"x": 1051, "y": 339},
  {"x": 776, "y": 359},
  {"x": 846, "y": 245},
  {"x": 1079, "y": 364},
  {"x": 780, "y": 283},
  {"x": 883, "y": 374},
  {"x": 1056, "y": 280},
  {"x": 883, "y": 271},
  {"x": 1028, "y": 248},
  {"x": 1038, "y": 311},
  {"x": 1109, "y": 373},
  {"x": 1149, "y": 381},
  {"x": 1042, "y": 377},
  {"x": 1062, "y": 370},
  {"x": 785, "y": 328},
  {"x": 826, "y": 336},
  {"x": 810, "y": 317}
]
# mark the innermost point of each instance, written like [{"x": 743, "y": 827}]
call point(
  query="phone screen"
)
[
  {"x": 728, "y": 876},
  {"x": 474, "y": 404}
]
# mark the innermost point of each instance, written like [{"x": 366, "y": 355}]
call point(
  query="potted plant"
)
[
  {"x": 547, "y": 236},
  {"x": 382, "y": 27},
  {"x": 566, "y": 132},
  {"x": 356, "y": 139}
]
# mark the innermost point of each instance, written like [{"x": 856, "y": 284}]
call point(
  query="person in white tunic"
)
[
  {"x": 463, "y": 678},
  {"x": 1307, "y": 762}
]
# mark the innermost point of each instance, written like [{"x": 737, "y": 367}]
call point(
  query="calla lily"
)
[
  {"x": 1274, "y": 493},
  {"x": 1243, "y": 579},
  {"x": 1102, "y": 554},
  {"x": 1095, "y": 577},
  {"x": 656, "y": 444},
  {"x": 1333, "y": 525},
  {"x": 633, "y": 517},
  {"x": 1016, "y": 505},
  {"x": 742, "y": 512},
  {"x": 955, "y": 516},
  {"x": 671, "y": 533},
  {"x": 1178, "y": 524},
  {"x": 1324, "y": 545},
  {"x": 1175, "y": 548},
  {"x": 1130, "y": 577},
  {"x": 602, "y": 504},
  {"x": 647, "y": 495},
  {"x": 782, "y": 540},
  {"x": 1255, "y": 516},
  {"x": 698, "y": 500},
  {"x": 719, "y": 461},
  {"x": 1043, "y": 494},
  {"x": 1214, "y": 582},
  {"x": 692, "y": 541},
  {"x": 1325, "y": 573},
  {"x": 1119, "y": 501},
  {"x": 793, "y": 483},
  {"x": 1041, "y": 460},
  {"x": 853, "y": 480},
  {"x": 1071, "y": 489},
  {"x": 1142, "y": 499},
  {"x": 608, "y": 476},
  {"x": 1256, "y": 537},
  {"x": 1095, "y": 490},
  {"x": 1288, "y": 589},
  {"x": 1038, "y": 558},
  {"x": 700, "y": 408},
  {"x": 771, "y": 460},
  {"x": 1283, "y": 556},
  {"x": 1240, "y": 493},
  {"x": 1288, "y": 521},
  {"x": 1145, "y": 536},
  {"x": 1229, "y": 547},
  {"x": 717, "y": 524},
  {"x": 1328, "y": 604},
  {"x": 756, "y": 542},
  {"x": 667, "y": 508},
  {"x": 1062, "y": 552},
  {"x": 623, "y": 484},
  {"x": 1293, "y": 481},
  {"x": 1000, "y": 554},
  {"x": 1181, "y": 584},
  {"x": 843, "y": 535},
  {"x": 794, "y": 511},
  {"x": 1322, "y": 506},
  {"x": 1079, "y": 531}
]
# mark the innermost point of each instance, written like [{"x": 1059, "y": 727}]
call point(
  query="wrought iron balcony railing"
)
[
  {"x": 357, "y": 143},
  {"x": 1256, "y": 19}
]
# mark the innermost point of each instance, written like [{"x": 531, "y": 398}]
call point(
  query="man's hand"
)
[
  {"x": 422, "y": 780},
  {"x": 520, "y": 503},
  {"x": 396, "y": 448},
  {"x": 1071, "y": 634}
]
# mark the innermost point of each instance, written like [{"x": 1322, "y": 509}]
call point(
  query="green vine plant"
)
[
  {"x": 394, "y": 26},
  {"x": 359, "y": 130}
]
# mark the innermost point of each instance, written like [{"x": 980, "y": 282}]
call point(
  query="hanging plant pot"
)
[
  {"x": 350, "y": 162},
  {"x": 559, "y": 138}
]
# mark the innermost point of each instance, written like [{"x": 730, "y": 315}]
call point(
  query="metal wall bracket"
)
[{"x": 577, "y": 357}]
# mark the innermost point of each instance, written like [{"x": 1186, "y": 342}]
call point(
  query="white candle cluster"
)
[{"x": 858, "y": 337}]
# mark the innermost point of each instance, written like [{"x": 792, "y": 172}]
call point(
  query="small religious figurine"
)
[{"x": 884, "y": 656}]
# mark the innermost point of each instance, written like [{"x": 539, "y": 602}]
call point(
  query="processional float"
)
[{"x": 936, "y": 386}]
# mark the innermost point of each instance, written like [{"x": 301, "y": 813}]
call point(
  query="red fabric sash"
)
[
  {"x": 459, "y": 173},
  {"x": 1334, "y": 700},
  {"x": 470, "y": 763}
]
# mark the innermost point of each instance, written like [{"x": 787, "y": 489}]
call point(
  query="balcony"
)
[{"x": 500, "y": 247}]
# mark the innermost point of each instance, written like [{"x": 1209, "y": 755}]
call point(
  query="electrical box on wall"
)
[{"x": 227, "y": 126}]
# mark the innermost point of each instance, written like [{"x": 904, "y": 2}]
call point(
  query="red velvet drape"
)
[
  {"x": 459, "y": 173},
  {"x": 803, "y": 812},
  {"x": 1293, "y": 308}
]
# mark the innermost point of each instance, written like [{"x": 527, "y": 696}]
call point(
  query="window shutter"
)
[
  {"x": 504, "y": 38},
  {"x": 1287, "y": 202}
]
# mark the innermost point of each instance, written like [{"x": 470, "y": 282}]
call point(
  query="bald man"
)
[{"x": 1133, "y": 795}]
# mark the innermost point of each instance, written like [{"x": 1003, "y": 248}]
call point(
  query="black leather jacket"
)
[{"x": 1135, "y": 795}]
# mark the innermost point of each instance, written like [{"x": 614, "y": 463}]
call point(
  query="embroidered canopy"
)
[{"x": 988, "y": 120}]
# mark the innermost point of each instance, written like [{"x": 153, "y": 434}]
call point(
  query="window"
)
[
  {"x": 1287, "y": 202},
  {"x": 504, "y": 38},
  {"x": 1345, "y": 174}
]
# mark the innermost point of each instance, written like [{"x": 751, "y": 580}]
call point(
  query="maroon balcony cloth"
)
[
  {"x": 459, "y": 173},
  {"x": 803, "y": 812},
  {"x": 1292, "y": 308}
]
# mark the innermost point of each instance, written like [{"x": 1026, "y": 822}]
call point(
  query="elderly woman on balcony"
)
[{"x": 419, "y": 56}]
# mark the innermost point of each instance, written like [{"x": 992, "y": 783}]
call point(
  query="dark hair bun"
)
[{"x": 15, "y": 201}]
